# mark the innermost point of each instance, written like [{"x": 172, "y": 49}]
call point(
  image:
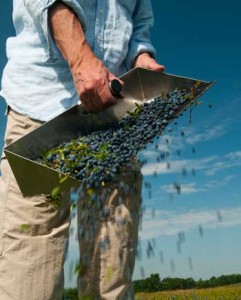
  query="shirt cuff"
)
[{"x": 136, "y": 49}]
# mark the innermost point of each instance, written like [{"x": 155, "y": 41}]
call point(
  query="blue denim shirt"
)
[{"x": 37, "y": 81}]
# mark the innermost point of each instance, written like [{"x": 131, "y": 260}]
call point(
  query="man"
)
[{"x": 63, "y": 52}]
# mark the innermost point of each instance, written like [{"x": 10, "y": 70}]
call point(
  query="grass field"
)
[{"x": 230, "y": 292}]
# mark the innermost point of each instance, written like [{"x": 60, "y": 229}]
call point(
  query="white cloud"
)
[
  {"x": 172, "y": 222},
  {"x": 217, "y": 183},
  {"x": 210, "y": 164},
  {"x": 177, "y": 165},
  {"x": 209, "y": 134},
  {"x": 161, "y": 168},
  {"x": 231, "y": 160},
  {"x": 218, "y": 166},
  {"x": 234, "y": 155},
  {"x": 173, "y": 142},
  {"x": 189, "y": 188},
  {"x": 166, "y": 143},
  {"x": 148, "y": 154}
]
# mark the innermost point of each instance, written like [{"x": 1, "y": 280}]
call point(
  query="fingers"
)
[
  {"x": 89, "y": 103},
  {"x": 106, "y": 98},
  {"x": 156, "y": 67},
  {"x": 96, "y": 95},
  {"x": 151, "y": 64},
  {"x": 144, "y": 60}
]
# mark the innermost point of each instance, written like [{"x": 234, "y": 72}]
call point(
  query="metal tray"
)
[{"x": 140, "y": 85}]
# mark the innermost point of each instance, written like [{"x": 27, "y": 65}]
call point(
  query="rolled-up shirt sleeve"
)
[
  {"x": 140, "y": 41},
  {"x": 38, "y": 10}
]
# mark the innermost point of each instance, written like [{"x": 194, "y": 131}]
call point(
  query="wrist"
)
[{"x": 83, "y": 56}]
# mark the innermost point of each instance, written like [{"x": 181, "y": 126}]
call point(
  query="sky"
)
[{"x": 196, "y": 233}]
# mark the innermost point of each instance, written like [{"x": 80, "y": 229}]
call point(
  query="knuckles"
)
[{"x": 94, "y": 91}]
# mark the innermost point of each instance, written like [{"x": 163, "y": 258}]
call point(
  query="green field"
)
[{"x": 230, "y": 292}]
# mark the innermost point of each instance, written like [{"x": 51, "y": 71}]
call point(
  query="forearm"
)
[
  {"x": 68, "y": 34},
  {"x": 90, "y": 76}
]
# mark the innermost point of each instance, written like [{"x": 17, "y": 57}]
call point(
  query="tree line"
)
[{"x": 154, "y": 283}]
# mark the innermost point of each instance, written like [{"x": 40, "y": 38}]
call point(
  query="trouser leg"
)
[
  {"x": 108, "y": 232},
  {"x": 33, "y": 235}
]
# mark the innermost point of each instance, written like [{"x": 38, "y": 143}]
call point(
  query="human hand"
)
[
  {"x": 92, "y": 80},
  {"x": 144, "y": 60},
  {"x": 90, "y": 76}
]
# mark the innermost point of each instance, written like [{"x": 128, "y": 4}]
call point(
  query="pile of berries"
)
[{"x": 97, "y": 158}]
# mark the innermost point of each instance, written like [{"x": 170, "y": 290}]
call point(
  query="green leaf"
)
[
  {"x": 55, "y": 192},
  {"x": 25, "y": 227},
  {"x": 63, "y": 177}
]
